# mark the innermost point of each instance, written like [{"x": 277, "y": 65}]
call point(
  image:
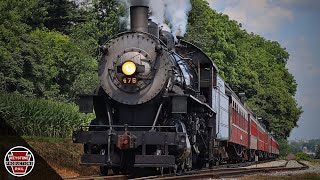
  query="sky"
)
[{"x": 295, "y": 24}]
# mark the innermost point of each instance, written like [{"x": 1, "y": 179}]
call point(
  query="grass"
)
[
  {"x": 40, "y": 117},
  {"x": 62, "y": 155},
  {"x": 302, "y": 156},
  {"x": 315, "y": 161}
]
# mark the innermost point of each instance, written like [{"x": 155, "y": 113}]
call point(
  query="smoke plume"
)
[
  {"x": 126, "y": 18},
  {"x": 157, "y": 8},
  {"x": 171, "y": 12},
  {"x": 177, "y": 13}
]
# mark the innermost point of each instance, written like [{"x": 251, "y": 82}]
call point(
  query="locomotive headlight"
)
[{"x": 128, "y": 68}]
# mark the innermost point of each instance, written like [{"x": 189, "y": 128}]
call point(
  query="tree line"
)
[
  {"x": 250, "y": 64},
  {"x": 311, "y": 145},
  {"x": 48, "y": 48}
]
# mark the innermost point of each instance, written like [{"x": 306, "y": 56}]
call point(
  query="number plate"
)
[{"x": 129, "y": 80}]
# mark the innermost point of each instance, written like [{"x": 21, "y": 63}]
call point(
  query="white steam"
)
[
  {"x": 157, "y": 8},
  {"x": 171, "y": 12},
  {"x": 126, "y": 18},
  {"x": 164, "y": 27},
  {"x": 177, "y": 13}
]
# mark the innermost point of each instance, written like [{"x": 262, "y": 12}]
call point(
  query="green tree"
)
[
  {"x": 14, "y": 16},
  {"x": 102, "y": 21},
  {"x": 36, "y": 61},
  {"x": 318, "y": 152},
  {"x": 249, "y": 63},
  {"x": 284, "y": 148},
  {"x": 61, "y": 15},
  {"x": 57, "y": 65}
]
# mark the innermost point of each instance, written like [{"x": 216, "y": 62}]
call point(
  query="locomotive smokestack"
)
[{"x": 139, "y": 15}]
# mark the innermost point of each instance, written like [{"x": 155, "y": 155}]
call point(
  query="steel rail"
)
[
  {"x": 231, "y": 172},
  {"x": 225, "y": 170},
  {"x": 116, "y": 177}
]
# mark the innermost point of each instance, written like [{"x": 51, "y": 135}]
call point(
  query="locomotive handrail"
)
[
  {"x": 156, "y": 118},
  {"x": 194, "y": 99}
]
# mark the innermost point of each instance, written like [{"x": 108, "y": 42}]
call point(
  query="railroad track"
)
[
  {"x": 229, "y": 170},
  {"x": 119, "y": 177},
  {"x": 115, "y": 177}
]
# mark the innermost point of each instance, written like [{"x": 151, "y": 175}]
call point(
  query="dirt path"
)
[{"x": 62, "y": 155}]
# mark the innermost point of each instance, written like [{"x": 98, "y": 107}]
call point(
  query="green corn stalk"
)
[{"x": 40, "y": 117}]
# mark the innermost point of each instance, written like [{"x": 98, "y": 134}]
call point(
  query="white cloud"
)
[
  {"x": 211, "y": 3},
  {"x": 305, "y": 5},
  {"x": 258, "y": 16}
]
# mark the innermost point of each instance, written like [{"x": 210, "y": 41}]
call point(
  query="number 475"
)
[{"x": 129, "y": 80}]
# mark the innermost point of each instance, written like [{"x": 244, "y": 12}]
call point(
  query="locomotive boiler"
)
[{"x": 160, "y": 105}]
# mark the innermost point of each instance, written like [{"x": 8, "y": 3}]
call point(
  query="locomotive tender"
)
[{"x": 161, "y": 104}]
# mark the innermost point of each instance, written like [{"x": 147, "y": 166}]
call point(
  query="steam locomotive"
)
[{"x": 162, "y": 105}]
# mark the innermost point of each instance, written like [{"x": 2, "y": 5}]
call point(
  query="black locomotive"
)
[{"x": 158, "y": 106}]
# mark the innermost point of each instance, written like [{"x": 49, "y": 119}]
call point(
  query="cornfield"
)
[{"x": 40, "y": 117}]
